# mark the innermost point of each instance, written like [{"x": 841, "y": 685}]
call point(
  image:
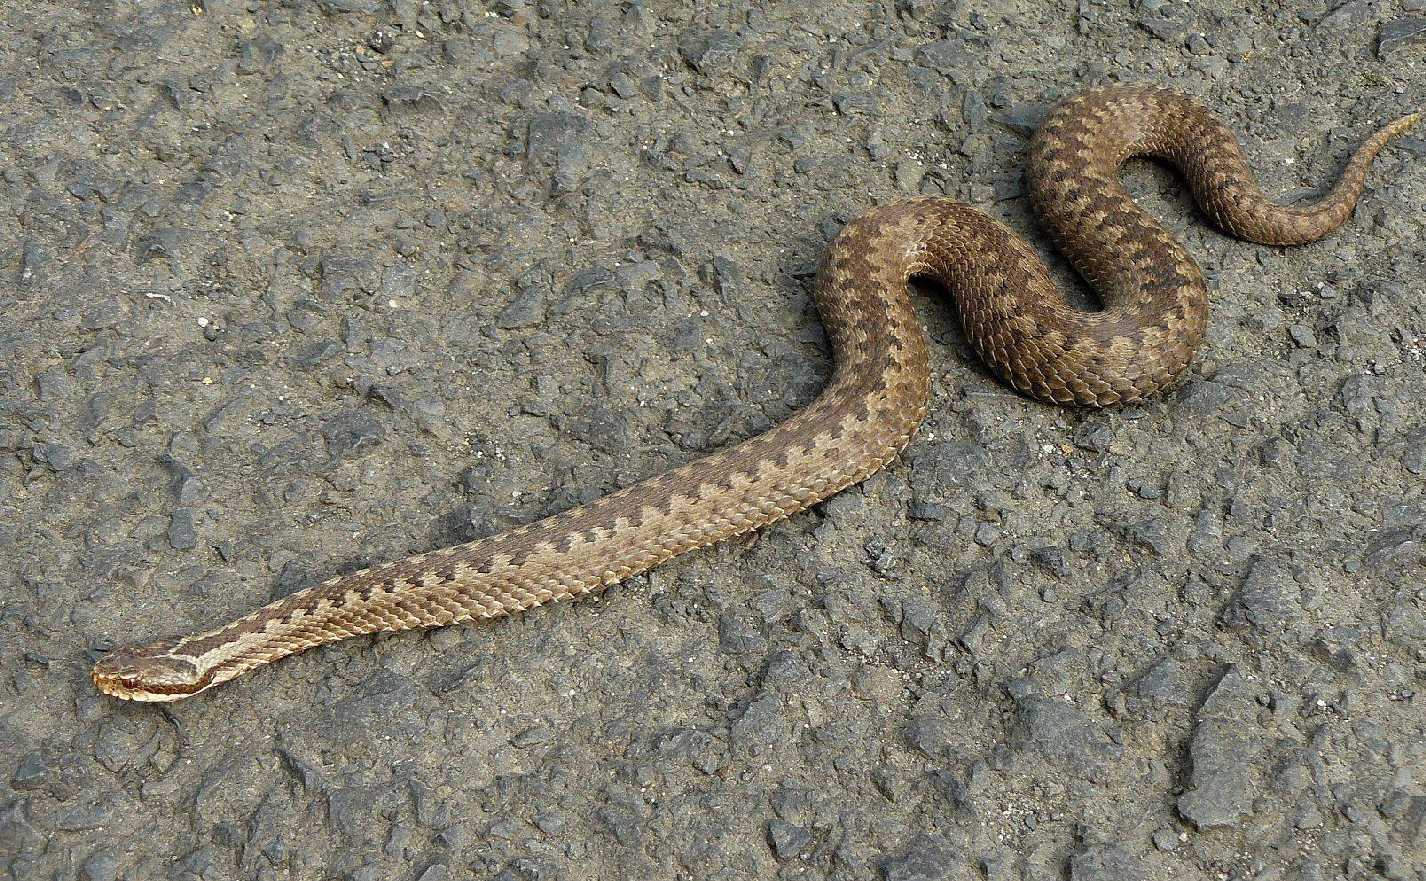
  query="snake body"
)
[{"x": 1154, "y": 315}]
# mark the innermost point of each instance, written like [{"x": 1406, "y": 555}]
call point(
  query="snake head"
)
[{"x": 148, "y": 673}]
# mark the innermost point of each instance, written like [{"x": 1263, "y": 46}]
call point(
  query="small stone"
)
[
  {"x": 922, "y": 510},
  {"x": 1224, "y": 749},
  {"x": 435, "y": 872},
  {"x": 1105, "y": 862},
  {"x": 1166, "y": 840},
  {"x": 181, "y": 534},
  {"x": 1201, "y": 397},
  {"x": 533, "y": 736},
  {"x": 849, "y": 105},
  {"x": 32, "y": 259},
  {"x": 1302, "y": 336},
  {"x": 381, "y": 41},
  {"x": 1165, "y": 684},
  {"x": 918, "y": 619},
  {"x": 257, "y": 54},
  {"x": 452, "y": 838},
  {"x": 31, "y": 771},
  {"x": 1399, "y": 32},
  {"x": 85, "y": 817},
  {"x": 310, "y": 355},
  {"x": 1266, "y": 602},
  {"x": 550, "y": 824},
  {"x": 1061, "y": 733},
  {"x": 787, "y": 840},
  {"x": 1308, "y": 817},
  {"x": 975, "y": 632},
  {"x": 114, "y": 748},
  {"x": 909, "y": 173},
  {"x": 57, "y": 456},
  {"x": 1094, "y": 437},
  {"x": 943, "y": 55},
  {"x": 525, "y": 310},
  {"x": 552, "y": 135},
  {"x": 624, "y": 85},
  {"x": 1052, "y": 560},
  {"x": 915, "y": 9},
  {"x": 738, "y": 636},
  {"x": 1152, "y": 533},
  {"x": 398, "y": 841},
  {"x": 923, "y": 861},
  {"x": 159, "y": 243},
  {"x": 1346, "y": 15},
  {"x": 54, "y": 385},
  {"x": 761, "y": 724},
  {"x": 102, "y": 866},
  {"x": 929, "y": 734},
  {"x": 349, "y": 432},
  {"x": 303, "y": 772},
  {"x": 398, "y": 282},
  {"x": 188, "y": 489},
  {"x": 1170, "y": 30},
  {"x": 709, "y": 51}
]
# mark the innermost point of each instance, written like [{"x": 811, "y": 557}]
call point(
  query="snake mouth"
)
[{"x": 148, "y": 678}]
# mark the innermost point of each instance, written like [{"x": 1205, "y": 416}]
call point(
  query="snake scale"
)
[{"x": 1155, "y": 311}]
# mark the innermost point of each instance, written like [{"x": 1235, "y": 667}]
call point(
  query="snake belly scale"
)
[{"x": 1155, "y": 311}]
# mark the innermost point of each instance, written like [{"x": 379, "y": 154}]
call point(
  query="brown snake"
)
[{"x": 1155, "y": 310}]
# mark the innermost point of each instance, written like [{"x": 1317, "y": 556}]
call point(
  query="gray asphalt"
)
[{"x": 291, "y": 288}]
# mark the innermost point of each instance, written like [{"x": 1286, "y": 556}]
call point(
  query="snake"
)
[{"x": 1152, "y": 317}]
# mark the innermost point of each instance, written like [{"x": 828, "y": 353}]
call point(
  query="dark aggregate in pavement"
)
[{"x": 289, "y": 288}]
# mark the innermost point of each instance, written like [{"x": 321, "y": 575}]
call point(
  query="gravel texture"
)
[{"x": 294, "y": 287}]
